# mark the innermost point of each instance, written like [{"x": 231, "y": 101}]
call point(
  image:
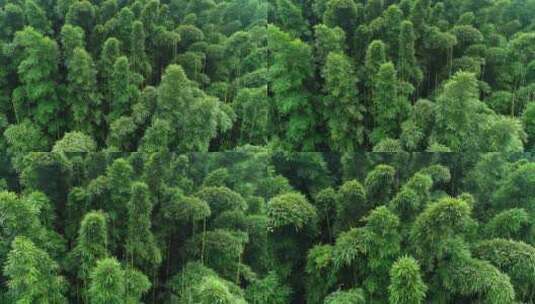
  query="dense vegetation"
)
[
  {"x": 409, "y": 75},
  {"x": 267, "y": 228},
  {"x": 131, "y": 75},
  {"x": 340, "y": 75},
  {"x": 99, "y": 98}
]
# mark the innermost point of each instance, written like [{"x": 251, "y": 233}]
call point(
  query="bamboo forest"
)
[
  {"x": 256, "y": 226},
  {"x": 267, "y": 151},
  {"x": 409, "y": 75},
  {"x": 316, "y": 75}
]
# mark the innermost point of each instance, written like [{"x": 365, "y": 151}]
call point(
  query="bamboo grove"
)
[
  {"x": 409, "y": 75},
  {"x": 262, "y": 227},
  {"x": 267, "y": 151},
  {"x": 130, "y": 75},
  {"x": 314, "y": 75}
]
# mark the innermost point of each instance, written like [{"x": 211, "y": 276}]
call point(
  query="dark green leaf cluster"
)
[
  {"x": 403, "y": 75},
  {"x": 267, "y": 227},
  {"x": 79, "y": 76}
]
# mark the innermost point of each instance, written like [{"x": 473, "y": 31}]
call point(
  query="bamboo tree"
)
[
  {"x": 406, "y": 283},
  {"x": 44, "y": 285}
]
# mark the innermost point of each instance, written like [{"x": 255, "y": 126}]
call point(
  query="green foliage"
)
[
  {"x": 505, "y": 134},
  {"x": 122, "y": 134},
  {"x": 137, "y": 285},
  {"x": 140, "y": 243},
  {"x": 406, "y": 282},
  {"x": 518, "y": 184},
  {"x": 109, "y": 54},
  {"x": 37, "y": 67},
  {"x": 373, "y": 248},
  {"x": 381, "y": 240},
  {"x": 156, "y": 137},
  {"x": 439, "y": 174},
  {"x": 268, "y": 290},
  {"x": 352, "y": 296},
  {"x": 380, "y": 183},
  {"x": 75, "y": 142},
  {"x": 253, "y": 108},
  {"x": 13, "y": 20},
  {"x": 348, "y": 247},
  {"x": 46, "y": 172},
  {"x": 72, "y": 37},
  {"x": 212, "y": 290},
  {"x": 343, "y": 110},
  {"x": 216, "y": 178},
  {"x": 408, "y": 68},
  {"x": 107, "y": 282},
  {"x": 325, "y": 203},
  {"x": 436, "y": 225},
  {"x": 140, "y": 63},
  {"x": 221, "y": 250},
  {"x": 221, "y": 199},
  {"x": 91, "y": 244},
  {"x": 457, "y": 108},
  {"x": 187, "y": 208},
  {"x": 188, "y": 108},
  {"x": 388, "y": 145},
  {"x": 20, "y": 217},
  {"x": 406, "y": 203},
  {"x": 78, "y": 95},
  {"x": 492, "y": 285},
  {"x": 322, "y": 75},
  {"x": 82, "y": 78},
  {"x": 328, "y": 40},
  {"x": 289, "y": 17},
  {"x": 351, "y": 205},
  {"x": 290, "y": 66},
  {"x": 32, "y": 275},
  {"x": 25, "y": 137},
  {"x": 375, "y": 57},
  {"x": 81, "y": 14},
  {"x": 120, "y": 83},
  {"x": 290, "y": 209},
  {"x": 516, "y": 259},
  {"x": 341, "y": 13},
  {"x": 263, "y": 226},
  {"x": 36, "y": 17},
  {"x": 528, "y": 119},
  {"x": 321, "y": 276},
  {"x": 199, "y": 284},
  {"x": 513, "y": 223},
  {"x": 430, "y": 44}
]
